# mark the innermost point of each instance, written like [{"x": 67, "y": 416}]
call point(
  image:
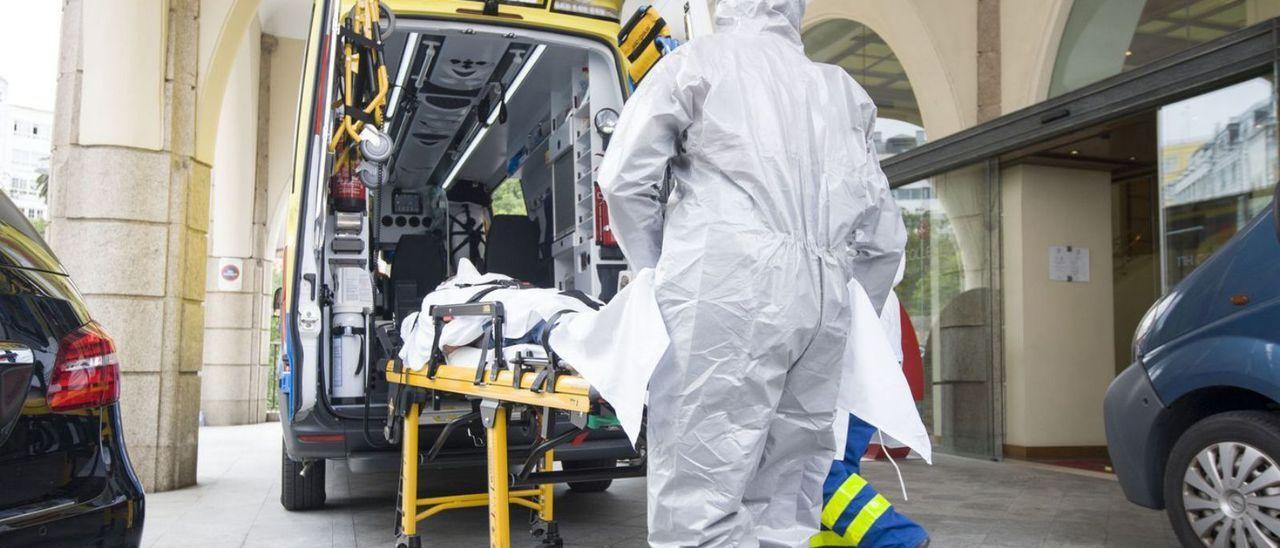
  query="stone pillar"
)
[
  {"x": 989, "y": 71},
  {"x": 234, "y": 389},
  {"x": 129, "y": 210}
]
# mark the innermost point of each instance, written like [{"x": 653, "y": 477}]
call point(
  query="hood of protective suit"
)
[{"x": 780, "y": 17}]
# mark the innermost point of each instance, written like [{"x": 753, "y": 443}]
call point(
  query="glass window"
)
[
  {"x": 1218, "y": 166},
  {"x": 1103, "y": 38},
  {"x": 946, "y": 292},
  {"x": 508, "y": 198}
]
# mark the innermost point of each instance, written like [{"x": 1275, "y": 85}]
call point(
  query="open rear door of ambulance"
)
[
  {"x": 301, "y": 324},
  {"x": 686, "y": 19}
]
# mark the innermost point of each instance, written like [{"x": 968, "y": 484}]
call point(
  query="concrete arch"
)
[
  {"x": 941, "y": 66},
  {"x": 223, "y": 25},
  {"x": 1027, "y": 76}
]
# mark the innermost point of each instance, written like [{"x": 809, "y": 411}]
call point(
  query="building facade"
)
[
  {"x": 1049, "y": 211},
  {"x": 174, "y": 125},
  {"x": 25, "y": 146}
]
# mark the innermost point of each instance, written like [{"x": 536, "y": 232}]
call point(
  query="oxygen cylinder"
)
[
  {"x": 352, "y": 301},
  {"x": 348, "y": 376}
]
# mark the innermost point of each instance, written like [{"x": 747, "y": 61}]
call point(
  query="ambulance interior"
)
[{"x": 472, "y": 108}]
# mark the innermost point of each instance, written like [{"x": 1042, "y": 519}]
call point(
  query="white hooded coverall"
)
[{"x": 778, "y": 201}]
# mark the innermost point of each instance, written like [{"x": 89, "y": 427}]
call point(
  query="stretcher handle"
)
[
  {"x": 541, "y": 449},
  {"x": 448, "y": 430},
  {"x": 443, "y": 313}
]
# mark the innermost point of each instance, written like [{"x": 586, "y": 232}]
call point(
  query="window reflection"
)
[
  {"x": 1217, "y": 168},
  {"x": 946, "y": 292}
]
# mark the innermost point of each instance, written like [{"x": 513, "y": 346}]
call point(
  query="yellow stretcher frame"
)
[{"x": 570, "y": 393}]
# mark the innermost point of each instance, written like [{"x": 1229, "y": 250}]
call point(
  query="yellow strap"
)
[
  {"x": 841, "y": 499},
  {"x": 827, "y": 537},
  {"x": 866, "y": 518}
]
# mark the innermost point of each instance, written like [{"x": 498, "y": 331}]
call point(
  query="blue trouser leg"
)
[{"x": 854, "y": 514}]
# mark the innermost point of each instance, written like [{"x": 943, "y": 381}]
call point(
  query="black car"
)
[{"x": 65, "y": 478}]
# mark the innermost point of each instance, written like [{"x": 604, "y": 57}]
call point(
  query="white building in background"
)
[{"x": 25, "y": 139}]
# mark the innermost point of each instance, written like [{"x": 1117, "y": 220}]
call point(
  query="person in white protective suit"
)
[{"x": 778, "y": 202}]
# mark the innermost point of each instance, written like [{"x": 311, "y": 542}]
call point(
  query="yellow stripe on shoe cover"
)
[
  {"x": 866, "y": 518},
  {"x": 829, "y": 538},
  {"x": 841, "y": 499}
]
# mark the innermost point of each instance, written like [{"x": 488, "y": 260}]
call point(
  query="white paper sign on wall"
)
[
  {"x": 230, "y": 274},
  {"x": 1068, "y": 263}
]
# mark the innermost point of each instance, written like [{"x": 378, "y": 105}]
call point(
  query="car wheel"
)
[
  {"x": 1222, "y": 481},
  {"x": 299, "y": 491},
  {"x": 594, "y": 486}
]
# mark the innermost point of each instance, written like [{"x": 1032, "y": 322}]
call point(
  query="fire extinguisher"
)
[
  {"x": 604, "y": 234},
  {"x": 346, "y": 191}
]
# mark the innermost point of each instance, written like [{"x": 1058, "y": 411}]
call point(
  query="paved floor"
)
[{"x": 963, "y": 502}]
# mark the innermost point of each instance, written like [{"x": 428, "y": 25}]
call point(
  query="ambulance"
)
[{"x": 432, "y": 132}]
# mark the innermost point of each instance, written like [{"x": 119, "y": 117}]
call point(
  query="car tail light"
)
[{"x": 86, "y": 372}]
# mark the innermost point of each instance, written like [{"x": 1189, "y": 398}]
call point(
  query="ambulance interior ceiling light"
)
[
  {"x": 493, "y": 117},
  {"x": 406, "y": 62}
]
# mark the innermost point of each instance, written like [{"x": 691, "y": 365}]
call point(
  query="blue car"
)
[{"x": 1193, "y": 425}]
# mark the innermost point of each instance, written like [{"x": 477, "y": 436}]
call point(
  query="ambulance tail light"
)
[
  {"x": 604, "y": 234},
  {"x": 86, "y": 372}
]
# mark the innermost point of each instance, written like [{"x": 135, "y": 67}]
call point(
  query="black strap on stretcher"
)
[
  {"x": 546, "y": 379},
  {"x": 493, "y": 336}
]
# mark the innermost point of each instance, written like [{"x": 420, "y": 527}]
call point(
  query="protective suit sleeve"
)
[
  {"x": 880, "y": 237},
  {"x": 643, "y": 143}
]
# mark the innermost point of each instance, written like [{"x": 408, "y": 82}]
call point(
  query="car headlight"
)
[
  {"x": 606, "y": 121},
  {"x": 1147, "y": 323}
]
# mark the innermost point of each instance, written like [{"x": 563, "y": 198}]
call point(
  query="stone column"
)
[
  {"x": 989, "y": 72},
  {"x": 129, "y": 210},
  {"x": 234, "y": 389}
]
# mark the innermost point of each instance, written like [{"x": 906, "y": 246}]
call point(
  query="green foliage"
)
[
  {"x": 508, "y": 198},
  {"x": 41, "y": 226}
]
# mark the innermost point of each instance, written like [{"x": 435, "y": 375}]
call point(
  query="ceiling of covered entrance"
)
[
  {"x": 865, "y": 55},
  {"x": 1169, "y": 26}
]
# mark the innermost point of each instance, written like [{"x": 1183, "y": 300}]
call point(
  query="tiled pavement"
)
[{"x": 963, "y": 503}]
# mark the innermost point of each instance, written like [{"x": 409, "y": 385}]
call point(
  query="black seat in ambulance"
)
[
  {"x": 417, "y": 268},
  {"x": 514, "y": 249}
]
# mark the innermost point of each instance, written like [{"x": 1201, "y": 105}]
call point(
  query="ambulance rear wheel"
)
[
  {"x": 594, "y": 486},
  {"x": 300, "y": 491}
]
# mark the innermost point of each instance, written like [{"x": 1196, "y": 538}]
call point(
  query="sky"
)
[
  {"x": 1198, "y": 118},
  {"x": 29, "y": 50}
]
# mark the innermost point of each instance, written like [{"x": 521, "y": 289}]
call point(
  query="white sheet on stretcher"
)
[
  {"x": 523, "y": 309},
  {"x": 615, "y": 348}
]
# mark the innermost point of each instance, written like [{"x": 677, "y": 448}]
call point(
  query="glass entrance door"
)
[
  {"x": 948, "y": 294},
  {"x": 1218, "y": 165}
]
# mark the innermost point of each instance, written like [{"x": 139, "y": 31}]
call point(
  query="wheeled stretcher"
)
[{"x": 544, "y": 389}]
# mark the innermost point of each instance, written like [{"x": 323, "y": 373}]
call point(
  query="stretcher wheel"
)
[
  {"x": 409, "y": 542},
  {"x": 547, "y": 533}
]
